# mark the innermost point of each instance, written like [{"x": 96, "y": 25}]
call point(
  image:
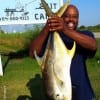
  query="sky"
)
[{"x": 89, "y": 11}]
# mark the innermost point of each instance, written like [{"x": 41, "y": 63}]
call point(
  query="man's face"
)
[{"x": 70, "y": 18}]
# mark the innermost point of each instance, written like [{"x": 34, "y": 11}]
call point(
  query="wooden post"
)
[{"x": 1, "y": 69}]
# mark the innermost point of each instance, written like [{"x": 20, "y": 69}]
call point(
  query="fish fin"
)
[
  {"x": 46, "y": 8},
  {"x": 72, "y": 51},
  {"x": 62, "y": 9},
  {"x": 39, "y": 59},
  {"x": 58, "y": 13}
]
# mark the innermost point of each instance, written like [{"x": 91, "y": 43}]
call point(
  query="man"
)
[{"x": 85, "y": 48}]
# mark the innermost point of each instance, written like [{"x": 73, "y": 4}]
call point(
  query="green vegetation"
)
[
  {"x": 94, "y": 71},
  {"x": 22, "y": 75},
  {"x": 14, "y": 42},
  {"x": 95, "y": 28},
  {"x": 21, "y": 80}
]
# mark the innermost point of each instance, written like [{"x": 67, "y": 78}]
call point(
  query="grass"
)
[
  {"x": 22, "y": 78},
  {"x": 94, "y": 71},
  {"x": 14, "y": 42}
]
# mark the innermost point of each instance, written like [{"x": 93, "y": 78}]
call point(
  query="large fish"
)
[{"x": 55, "y": 64}]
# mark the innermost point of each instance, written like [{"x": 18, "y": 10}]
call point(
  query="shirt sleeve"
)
[{"x": 87, "y": 53}]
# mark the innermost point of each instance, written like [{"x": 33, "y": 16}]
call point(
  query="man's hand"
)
[{"x": 55, "y": 23}]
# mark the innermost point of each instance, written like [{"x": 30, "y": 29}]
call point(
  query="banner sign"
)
[{"x": 25, "y": 11}]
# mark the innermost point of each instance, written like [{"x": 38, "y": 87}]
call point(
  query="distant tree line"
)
[{"x": 95, "y": 28}]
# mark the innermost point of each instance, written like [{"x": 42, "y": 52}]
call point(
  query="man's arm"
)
[
  {"x": 83, "y": 40},
  {"x": 38, "y": 42},
  {"x": 58, "y": 24}
]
